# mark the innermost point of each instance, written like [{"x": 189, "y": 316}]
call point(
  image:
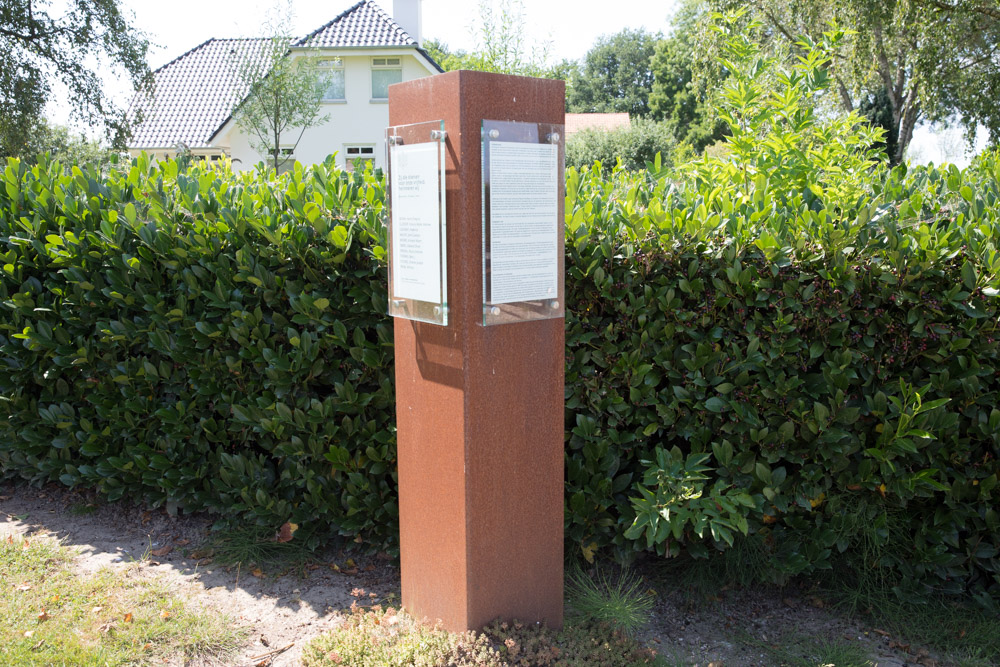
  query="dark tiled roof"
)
[
  {"x": 364, "y": 24},
  {"x": 194, "y": 94}
]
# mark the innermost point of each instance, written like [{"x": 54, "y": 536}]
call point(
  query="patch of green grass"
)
[
  {"x": 962, "y": 632},
  {"x": 621, "y": 600},
  {"x": 53, "y": 616},
  {"x": 795, "y": 651},
  {"x": 256, "y": 546},
  {"x": 82, "y": 509}
]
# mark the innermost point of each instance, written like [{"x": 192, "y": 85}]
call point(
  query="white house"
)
[{"x": 364, "y": 49}]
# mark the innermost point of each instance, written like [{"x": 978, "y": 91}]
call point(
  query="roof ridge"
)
[
  {"x": 184, "y": 55},
  {"x": 326, "y": 25},
  {"x": 388, "y": 17}
]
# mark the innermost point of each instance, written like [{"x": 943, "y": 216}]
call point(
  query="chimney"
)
[{"x": 407, "y": 14}]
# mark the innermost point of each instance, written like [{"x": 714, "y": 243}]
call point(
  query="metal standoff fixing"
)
[
  {"x": 494, "y": 134},
  {"x": 439, "y": 135},
  {"x": 437, "y": 311},
  {"x": 553, "y": 137},
  {"x": 494, "y": 311},
  {"x": 554, "y": 305},
  {"x": 399, "y": 303},
  {"x": 395, "y": 141}
]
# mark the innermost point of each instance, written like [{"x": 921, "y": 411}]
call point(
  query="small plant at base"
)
[{"x": 620, "y": 601}]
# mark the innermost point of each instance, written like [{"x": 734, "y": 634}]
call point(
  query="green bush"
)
[
  {"x": 790, "y": 346},
  {"x": 200, "y": 339},
  {"x": 634, "y": 146}
]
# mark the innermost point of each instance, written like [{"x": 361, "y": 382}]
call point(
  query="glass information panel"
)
[
  {"x": 418, "y": 272},
  {"x": 523, "y": 258}
]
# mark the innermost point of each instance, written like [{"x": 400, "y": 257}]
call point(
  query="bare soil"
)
[{"x": 288, "y": 609}]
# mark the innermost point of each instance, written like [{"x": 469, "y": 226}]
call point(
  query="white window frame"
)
[
  {"x": 333, "y": 65},
  {"x": 363, "y": 151},
  {"x": 384, "y": 63}
]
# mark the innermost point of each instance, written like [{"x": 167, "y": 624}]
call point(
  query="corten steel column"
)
[{"x": 479, "y": 409}]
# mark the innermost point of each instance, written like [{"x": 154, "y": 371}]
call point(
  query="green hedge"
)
[
  {"x": 753, "y": 388},
  {"x": 201, "y": 340},
  {"x": 215, "y": 341}
]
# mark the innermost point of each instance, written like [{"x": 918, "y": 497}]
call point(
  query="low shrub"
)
[
  {"x": 635, "y": 145},
  {"x": 383, "y": 638}
]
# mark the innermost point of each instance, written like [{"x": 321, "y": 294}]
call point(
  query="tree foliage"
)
[
  {"x": 615, "y": 75},
  {"x": 932, "y": 60},
  {"x": 684, "y": 78},
  {"x": 39, "y": 46},
  {"x": 283, "y": 95}
]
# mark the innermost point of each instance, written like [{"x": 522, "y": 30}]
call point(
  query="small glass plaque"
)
[
  {"x": 418, "y": 272},
  {"x": 523, "y": 191}
]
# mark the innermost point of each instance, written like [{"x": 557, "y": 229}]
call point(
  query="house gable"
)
[{"x": 194, "y": 94}]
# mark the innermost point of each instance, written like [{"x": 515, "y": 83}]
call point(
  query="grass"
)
[
  {"x": 52, "y": 615},
  {"x": 256, "y": 546},
  {"x": 959, "y": 631},
  {"x": 620, "y": 600},
  {"x": 794, "y": 651}
]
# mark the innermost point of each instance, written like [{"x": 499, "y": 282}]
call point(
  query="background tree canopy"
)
[
  {"x": 615, "y": 75},
  {"x": 38, "y": 47},
  {"x": 924, "y": 60}
]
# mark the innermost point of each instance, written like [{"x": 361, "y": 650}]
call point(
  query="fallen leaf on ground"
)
[
  {"x": 263, "y": 640},
  {"x": 370, "y": 568},
  {"x": 29, "y": 633},
  {"x": 257, "y": 572},
  {"x": 96, "y": 610},
  {"x": 24, "y": 587},
  {"x": 816, "y": 602},
  {"x": 146, "y": 517},
  {"x": 350, "y": 563},
  {"x": 43, "y": 616},
  {"x": 182, "y": 543},
  {"x": 128, "y": 617},
  {"x": 162, "y": 551},
  {"x": 880, "y": 632},
  {"x": 164, "y": 614},
  {"x": 286, "y": 531},
  {"x": 334, "y": 567},
  {"x": 107, "y": 627}
]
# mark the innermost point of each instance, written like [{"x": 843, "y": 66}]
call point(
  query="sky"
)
[{"x": 569, "y": 28}]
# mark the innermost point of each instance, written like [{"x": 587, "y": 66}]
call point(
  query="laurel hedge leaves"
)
[
  {"x": 202, "y": 340},
  {"x": 209, "y": 340}
]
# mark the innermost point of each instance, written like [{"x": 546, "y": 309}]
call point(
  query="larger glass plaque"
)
[
  {"x": 523, "y": 258},
  {"x": 418, "y": 272}
]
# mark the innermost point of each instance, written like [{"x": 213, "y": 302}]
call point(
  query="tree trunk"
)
[{"x": 911, "y": 111}]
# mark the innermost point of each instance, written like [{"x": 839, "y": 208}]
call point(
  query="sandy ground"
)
[{"x": 287, "y": 610}]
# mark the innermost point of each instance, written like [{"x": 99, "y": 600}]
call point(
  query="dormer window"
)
[
  {"x": 385, "y": 72},
  {"x": 333, "y": 79}
]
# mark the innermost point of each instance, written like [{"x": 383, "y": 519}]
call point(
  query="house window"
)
[
  {"x": 357, "y": 154},
  {"x": 385, "y": 72},
  {"x": 332, "y": 71}
]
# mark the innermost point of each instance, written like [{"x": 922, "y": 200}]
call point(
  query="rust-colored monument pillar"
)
[{"x": 479, "y": 409}]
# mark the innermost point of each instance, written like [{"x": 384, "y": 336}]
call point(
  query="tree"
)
[
  {"x": 933, "y": 60},
  {"x": 283, "y": 94},
  {"x": 616, "y": 75},
  {"x": 68, "y": 148},
  {"x": 38, "y": 47},
  {"x": 451, "y": 60},
  {"x": 501, "y": 40},
  {"x": 682, "y": 91}
]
